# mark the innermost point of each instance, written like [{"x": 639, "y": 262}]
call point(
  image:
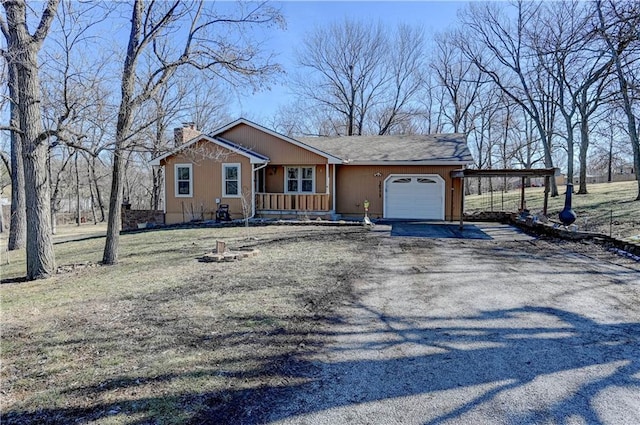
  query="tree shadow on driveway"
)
[
  {"x": 525, "y": 365},
  {"x": 531, "y": 374}
]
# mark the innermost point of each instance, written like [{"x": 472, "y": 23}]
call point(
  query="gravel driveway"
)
[{"x": 504, "y": 331}]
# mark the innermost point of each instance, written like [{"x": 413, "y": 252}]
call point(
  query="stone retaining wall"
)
[
  {"x": 499, "y": 216},
  {"x": 140, "y": 219},
  {"x": 556, "y": 231}
]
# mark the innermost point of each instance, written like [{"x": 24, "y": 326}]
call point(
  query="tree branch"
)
[
  {"x": 10, "y": 128},
  {"x": 6, "y": 160},
  {"x": 45, "y": 21}
]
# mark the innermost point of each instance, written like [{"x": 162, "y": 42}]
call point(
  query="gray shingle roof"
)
[{"x": 437, "y": 148}]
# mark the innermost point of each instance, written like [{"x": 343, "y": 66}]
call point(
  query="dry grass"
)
[
  {"x": 161, "y": 337},
  {"x": 607, "y": 207}
]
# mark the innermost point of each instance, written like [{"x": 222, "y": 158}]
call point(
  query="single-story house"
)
[{"x": 258, "y": 172}]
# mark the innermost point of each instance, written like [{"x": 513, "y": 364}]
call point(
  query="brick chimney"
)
[{"x": 185, "y": 133}]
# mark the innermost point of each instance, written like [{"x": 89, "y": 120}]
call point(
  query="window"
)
[
  {"x": 425, "y": 180},
  {"x": 402, "y": 180},
  {"x": 231, "y": 180},
  {"x": 300, "y": 179},
  {"x": 184, "y": 180}
]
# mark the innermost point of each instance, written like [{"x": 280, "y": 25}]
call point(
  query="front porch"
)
[{"x": 316, "y": 204}]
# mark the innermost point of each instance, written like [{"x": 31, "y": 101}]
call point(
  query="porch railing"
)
[{"x": 292, "y": 201}]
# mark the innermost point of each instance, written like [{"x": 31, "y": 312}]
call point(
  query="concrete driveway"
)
[
  {"x": 448, "y": 230},
  {"x": 458, "y": 331}
]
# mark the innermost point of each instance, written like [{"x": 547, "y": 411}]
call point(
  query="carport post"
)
[
  {"x": 524, "y": 179},
  {"x": 546, "y": 194},
  {"x": 461, "y": 203}
]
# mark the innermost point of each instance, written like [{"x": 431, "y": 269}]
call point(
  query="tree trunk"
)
[
  {"x": 110, "y": 255},
  {"x": 548, "y": 160},
  {"x": 1, "y": 219},
  {"x": 157, "y": 188},
  {"x": 584, "y": 147},
  {"x": 18, "y": 220},
  {"x": 94, "y": 178},
  {"x": 93, "y": 198},
  {"x": 570, "y": 150},
  {"x": 610, "y": 161},
  {"x": 78, "y": 210},
  {"x": 24, "y": 50},
  {"x": 54, "y": 196},
  {"x": 125, "y": 117}
]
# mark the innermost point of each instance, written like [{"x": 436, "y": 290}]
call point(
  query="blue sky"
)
[{"x": 303, "y": 16}]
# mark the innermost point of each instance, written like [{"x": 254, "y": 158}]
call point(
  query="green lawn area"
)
[
  {"x": 606, "y": 205},
  {"x": 162, "y": 337}
]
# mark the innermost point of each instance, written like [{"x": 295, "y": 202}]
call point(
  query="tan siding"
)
[
  {"x": 278, "y": 150},
  {"x": 359, "y": 182},
  {"x": 274, "y": 179},
  {"x": 207, "y": 186}
]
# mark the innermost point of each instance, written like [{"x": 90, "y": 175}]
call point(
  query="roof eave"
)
[{"x": 409, "y": 162}]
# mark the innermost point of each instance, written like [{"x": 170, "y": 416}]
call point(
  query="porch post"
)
[
  {"x": 326, "y": 186},
  {"x": 546, "y": 195},
  {"x": 333, "y": 190}
]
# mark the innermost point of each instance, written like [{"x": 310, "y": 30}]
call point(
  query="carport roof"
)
[{"x": 436, "y": 149}]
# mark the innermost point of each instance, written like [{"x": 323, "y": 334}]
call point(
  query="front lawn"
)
[{"x": 162, "y": 337}]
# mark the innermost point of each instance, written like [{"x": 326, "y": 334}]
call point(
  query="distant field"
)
[{"x": 608, "y": 207}]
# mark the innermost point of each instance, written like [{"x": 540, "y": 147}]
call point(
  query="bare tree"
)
[
  {"x": 431, "y": 110},
  {"x": 156, "y": 28},
  {"x": 4, "y": 182},
  {"x": 191, "y": 97},
  {"x": 22, "y": 53},
  {"x": 460, "y": 80},
  {"x": 499, "y": 47},
  {"x": 58, "y": 158},
  {"x": 405, "y": 67},
  {"x": 575, "y": 58},
  {"x": 18, "y": 220},
  {"x": 357, "y": 79},
  {"x": 345, "y": 60},
  {"x": 619, "y": 23}
]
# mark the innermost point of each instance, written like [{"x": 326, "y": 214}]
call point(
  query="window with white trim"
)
[
  {"x": 184, "y": 180},
  {"x": 300, "y": 179},
  {"x": 231, "y": 180}
]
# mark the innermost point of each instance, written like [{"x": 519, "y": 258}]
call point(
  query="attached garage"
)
[{"x": 419, "y": 196}]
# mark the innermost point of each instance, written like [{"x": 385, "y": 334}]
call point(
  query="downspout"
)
[
  {"x": 253, "y": 188},
  {"x": 333, "y": 195},
  {"x": 164, "y": 190}
]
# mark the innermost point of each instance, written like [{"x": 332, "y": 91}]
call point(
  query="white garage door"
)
[{"x": 414, "y": 196}]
